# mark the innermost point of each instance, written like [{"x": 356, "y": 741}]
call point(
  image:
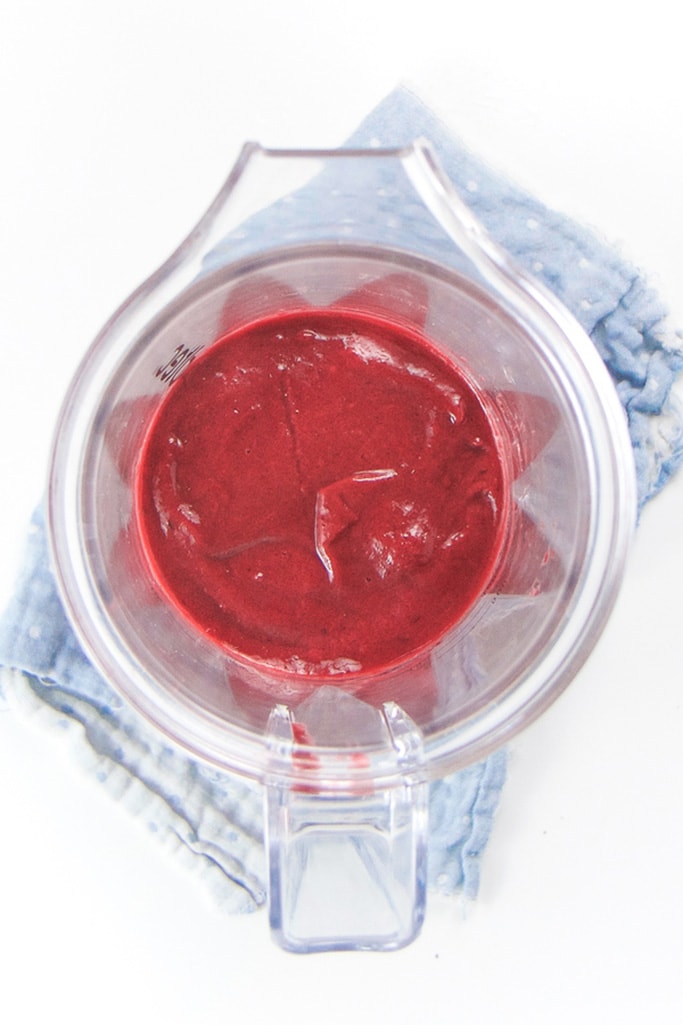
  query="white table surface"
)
[{"x": 119, "y": 122}]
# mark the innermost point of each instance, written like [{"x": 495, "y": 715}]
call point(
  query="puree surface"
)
[{"x": 321, "y": 492}]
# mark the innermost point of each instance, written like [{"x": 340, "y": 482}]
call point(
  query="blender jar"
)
[{"x": 345, "y": 762}]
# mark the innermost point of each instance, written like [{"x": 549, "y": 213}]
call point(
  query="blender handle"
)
[{"x": 347, "y": 865}]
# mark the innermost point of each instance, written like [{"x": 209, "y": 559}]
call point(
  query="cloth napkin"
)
[{"x": 213, "y": 820}]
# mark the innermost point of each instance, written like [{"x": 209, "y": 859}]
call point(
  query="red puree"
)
[{"x": 321, "y": 492}]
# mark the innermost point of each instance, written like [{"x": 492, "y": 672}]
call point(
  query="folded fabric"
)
[{"x": 214, "y": 820}]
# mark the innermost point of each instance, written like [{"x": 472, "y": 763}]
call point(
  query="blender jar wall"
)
[{"x": 191, "y": 687}]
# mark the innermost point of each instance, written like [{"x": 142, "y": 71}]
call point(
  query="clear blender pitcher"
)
[{"x": 345, "y": 762}]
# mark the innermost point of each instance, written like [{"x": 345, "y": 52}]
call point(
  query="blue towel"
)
[{"x": 213, "y": 820}]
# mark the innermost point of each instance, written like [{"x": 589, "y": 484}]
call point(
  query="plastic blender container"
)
[{"x": 378, "y": 232}]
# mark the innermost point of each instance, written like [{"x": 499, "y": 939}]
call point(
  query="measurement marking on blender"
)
[{"x": 181, "y": 358}]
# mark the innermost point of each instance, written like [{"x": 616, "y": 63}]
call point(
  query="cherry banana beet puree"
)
[{"x": 321, "y": 492}]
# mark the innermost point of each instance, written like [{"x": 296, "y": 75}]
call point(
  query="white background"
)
[{"x": 119, "y": 122}]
